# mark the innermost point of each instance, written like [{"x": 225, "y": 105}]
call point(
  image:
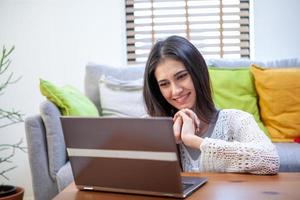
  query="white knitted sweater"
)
[{"x": 237, "y": 144}]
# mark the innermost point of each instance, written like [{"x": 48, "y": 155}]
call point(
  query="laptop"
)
[{"x": 127, "y": 155}]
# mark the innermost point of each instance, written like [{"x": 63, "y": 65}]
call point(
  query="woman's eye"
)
[
  {"x": 181, "y": 76},
  {"x": 163, "y": 84}
]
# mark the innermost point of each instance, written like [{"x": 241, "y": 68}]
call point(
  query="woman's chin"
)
[{"x": 183, "y": 106}]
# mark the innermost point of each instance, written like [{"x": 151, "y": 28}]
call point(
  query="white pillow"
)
[{"x": 121, "y": 98}]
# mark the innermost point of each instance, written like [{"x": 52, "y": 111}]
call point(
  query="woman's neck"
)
[
  {"x": 204, "y": 125},
  {"x": 202, "y": 129}
]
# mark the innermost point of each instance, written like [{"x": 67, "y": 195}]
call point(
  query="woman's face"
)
[{"x": 175, "y": 84}]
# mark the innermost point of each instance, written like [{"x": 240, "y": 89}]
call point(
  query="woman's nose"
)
[{"x": 176, "y": 89}]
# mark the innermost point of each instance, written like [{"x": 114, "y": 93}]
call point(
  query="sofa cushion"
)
[
  {"x": 94, "y": 72},
  {"x": 122, "y": 98},
  {"x": 68, "y": 99},
  {"x": 232, "y": 63},
  {"x": 246, "y": 63},
  {"x": 280, "y": 63},
  {"x": 234, "y": 88},
  {"x": 56, "y": 147},
  {"x": 279, "y": 101}
]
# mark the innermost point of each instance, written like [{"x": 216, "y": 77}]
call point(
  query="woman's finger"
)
[
  {"x": 193, "y": 115},
  {"x": 177, "y": 129},
  {"x": 185, "y": 117},
  {"x": 175, "y": 117}
]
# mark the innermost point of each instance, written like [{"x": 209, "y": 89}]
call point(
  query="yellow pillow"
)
[{"x": 279, "y": 101}]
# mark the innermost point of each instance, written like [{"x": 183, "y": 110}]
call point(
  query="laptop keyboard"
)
[{"x": 186, "y": 185}]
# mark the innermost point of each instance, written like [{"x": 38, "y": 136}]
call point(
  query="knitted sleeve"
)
[{"x": 241, "y": 147}]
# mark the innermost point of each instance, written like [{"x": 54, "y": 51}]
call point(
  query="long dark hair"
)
[{"x": 180, "y": 49}]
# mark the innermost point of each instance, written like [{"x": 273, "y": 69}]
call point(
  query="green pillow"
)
[
  {"x": 234, "y": 88},
  {"x": 68, "y": 99}
]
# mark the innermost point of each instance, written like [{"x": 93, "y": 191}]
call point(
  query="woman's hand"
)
[
  {"x": 188, "y": 122},
  {"x": 192, "y": 115}
]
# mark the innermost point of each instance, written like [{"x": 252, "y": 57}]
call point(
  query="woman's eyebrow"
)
[
  {"x": 162, "y": 80},
  {"x": 180, "y": 72}
]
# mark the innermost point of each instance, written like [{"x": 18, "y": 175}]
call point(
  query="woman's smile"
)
[{"x": 182, "y": 98}]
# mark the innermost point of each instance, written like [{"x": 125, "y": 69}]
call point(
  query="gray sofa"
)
[{"x": 50, "y": 168}]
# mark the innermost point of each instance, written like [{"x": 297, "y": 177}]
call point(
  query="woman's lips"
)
[{"x": 182, "y": 98}]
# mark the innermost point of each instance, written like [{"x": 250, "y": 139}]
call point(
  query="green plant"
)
[{"x": 8, "y": 117}]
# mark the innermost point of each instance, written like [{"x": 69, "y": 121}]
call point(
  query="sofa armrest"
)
[
  {"x": 64, "y": 176},
  {"x": 56, "y": 148},
  {"x": 43, "y": 186}
]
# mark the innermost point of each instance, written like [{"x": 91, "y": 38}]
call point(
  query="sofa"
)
[{"x": 116, "y": 92}]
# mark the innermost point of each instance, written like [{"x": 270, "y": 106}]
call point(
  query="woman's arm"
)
[{"x": 248, "y": 149}]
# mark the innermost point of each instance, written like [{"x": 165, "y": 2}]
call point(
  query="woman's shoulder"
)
[
  {"x": 234, "y": 118},
  {"x": 233, "y": 113}
]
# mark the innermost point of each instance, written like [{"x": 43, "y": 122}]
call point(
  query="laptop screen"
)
[{"x": 136, "y": 154}]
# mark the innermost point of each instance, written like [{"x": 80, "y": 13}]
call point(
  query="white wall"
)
[
  {"x": 54, "y": 39},
  {"x": 276, "y": 29}
]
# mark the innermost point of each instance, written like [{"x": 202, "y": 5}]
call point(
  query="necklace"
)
[{"x": 201, "y": 129}]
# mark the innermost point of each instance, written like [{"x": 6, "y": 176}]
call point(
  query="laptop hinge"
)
[{"x": 88, "y": 188}]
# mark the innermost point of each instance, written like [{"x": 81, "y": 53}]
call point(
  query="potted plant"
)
[{"x": 7, "y": 118}]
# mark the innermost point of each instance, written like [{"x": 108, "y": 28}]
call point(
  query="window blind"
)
[{"x": 218, "y": 28}]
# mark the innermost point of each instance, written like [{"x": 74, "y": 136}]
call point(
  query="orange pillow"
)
[{"x": 279, "y": 100}]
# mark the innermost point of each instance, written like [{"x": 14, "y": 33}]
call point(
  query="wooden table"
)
[{"x": 283, "y": 186}]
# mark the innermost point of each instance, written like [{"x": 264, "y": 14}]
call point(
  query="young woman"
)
[{"x": 177, "y": 84}]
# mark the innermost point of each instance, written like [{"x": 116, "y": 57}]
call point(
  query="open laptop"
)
[{"x": 128, "y": 155}]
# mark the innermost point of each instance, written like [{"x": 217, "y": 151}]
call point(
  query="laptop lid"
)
[{"x": 131, "y": 155}]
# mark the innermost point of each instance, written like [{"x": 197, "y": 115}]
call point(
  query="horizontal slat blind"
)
[{"x": 218, "y": 28}]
